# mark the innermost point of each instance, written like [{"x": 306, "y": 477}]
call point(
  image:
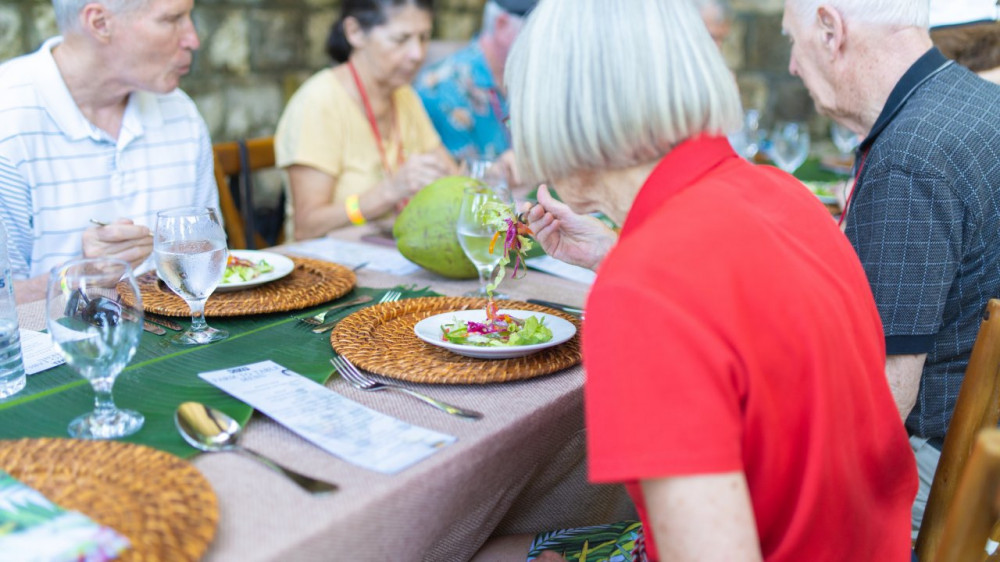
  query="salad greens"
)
[
  {"x": 499, "y": 330},
  {"x": 239, "y": 270},
  {"x": 515, "y": 240}
]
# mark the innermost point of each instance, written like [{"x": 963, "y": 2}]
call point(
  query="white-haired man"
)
[
  {"x": 464, "y": 94},
  {"x": 715, "y": 14},
  {"x": 94, "y": 129},
  {"x": 924, "y": 216}
]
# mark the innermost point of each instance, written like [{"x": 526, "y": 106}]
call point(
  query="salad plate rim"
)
[
  {"x": 429, "y": 331},
  {"x": 283, "y": 265}
]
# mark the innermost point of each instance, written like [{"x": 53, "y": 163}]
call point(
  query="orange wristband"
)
[{"x": 353, "y": 207}]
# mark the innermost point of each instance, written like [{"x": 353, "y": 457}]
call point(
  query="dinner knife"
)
[
  {"x": 166, "y": 323},
  {"x": 153, "y": 328},
  {"x": 558, "y": 306}
]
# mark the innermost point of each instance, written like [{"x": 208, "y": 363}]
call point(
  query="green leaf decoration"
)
[
  {"x": 600, "y": 543},
  {"x": 163, "y": 375}
]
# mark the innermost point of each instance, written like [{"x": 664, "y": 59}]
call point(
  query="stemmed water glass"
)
[
  {"x": 94, "y": 313},
  {"x": 789, "y": 145},
  {"x": 844, "y": 139},
  {"x": 475, "y": 230},
  {"x": 190, "y": 249},
  {"x": 478, "y": 168},
  {"x": 746, "y": 142}
]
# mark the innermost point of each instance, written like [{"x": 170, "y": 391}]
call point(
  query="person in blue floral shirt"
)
[{"x": 463, "y": 93}]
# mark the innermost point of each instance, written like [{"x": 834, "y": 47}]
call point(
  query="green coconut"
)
[{"x": 425, "y": 230}]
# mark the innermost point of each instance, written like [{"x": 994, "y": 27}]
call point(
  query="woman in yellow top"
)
[{"x": 355, "y": 139}]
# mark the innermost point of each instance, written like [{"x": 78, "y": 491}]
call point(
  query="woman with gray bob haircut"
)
[
  {"x": 627, "y": 110},
  {"x": 713, "y": 391}
]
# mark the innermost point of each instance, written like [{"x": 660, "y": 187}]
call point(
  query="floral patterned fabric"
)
[
  {"x": 617, "y": 542},
  {"x": 465, "y": 105}
]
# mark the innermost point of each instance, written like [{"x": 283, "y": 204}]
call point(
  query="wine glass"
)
[
  {"x": 789, "y": 145},
  {"x": 476, "y": 230},
  {"x": 844, "y": 139},
  {"x": 190, "y": 250},
  {"x": 94, "y": 312},
  {"x": 478, "y": 168},
  {"x": 746, "y": 141}
]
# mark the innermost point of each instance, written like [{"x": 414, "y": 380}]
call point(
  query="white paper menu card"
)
[
  {"x": 38, "y": 352},
  {"x": 332, "y": 422},
  {"x": 559, "y": 268}
]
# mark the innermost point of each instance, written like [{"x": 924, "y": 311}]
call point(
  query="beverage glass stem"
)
[
  {"x": 104, "y": 404},
  {"x": 484, "y": 277},
  {"x": 198, "y": 323}
]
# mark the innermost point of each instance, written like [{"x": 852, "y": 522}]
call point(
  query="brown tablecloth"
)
[{"x": 519, "y": 469}]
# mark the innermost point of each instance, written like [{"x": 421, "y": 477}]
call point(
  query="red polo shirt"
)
[{"x": 732, "y": 329}]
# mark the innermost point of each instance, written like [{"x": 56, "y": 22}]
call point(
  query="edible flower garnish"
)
[
  {"x": 516, "y": 241},
  {"x": 501, "y": 330}
]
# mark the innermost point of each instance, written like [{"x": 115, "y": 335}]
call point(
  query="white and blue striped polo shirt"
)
[{"x": 58, "y": 171}]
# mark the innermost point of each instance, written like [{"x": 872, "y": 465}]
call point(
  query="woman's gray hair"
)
[
  {"x": 901, "y": 13},
  {"x": 607, "y": 84},
  {"x": 68, "y": 11}
]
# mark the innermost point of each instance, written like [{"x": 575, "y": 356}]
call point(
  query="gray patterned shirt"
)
[{"x": 925, "y": 221}]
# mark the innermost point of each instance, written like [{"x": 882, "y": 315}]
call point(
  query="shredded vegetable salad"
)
[
  {"x": 239, "y": 270},
  {"x": 515, "y": 237},
  {"x": 499, "y": 330}
]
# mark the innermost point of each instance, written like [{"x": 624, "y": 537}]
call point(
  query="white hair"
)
[
  {"x": 607, "y": 84},
  {"x": 714, "y": 4},
  {"x": 492, "y": 11},
  {"x": 68, "y": 11},
  {"x": 902, "y": 13}
]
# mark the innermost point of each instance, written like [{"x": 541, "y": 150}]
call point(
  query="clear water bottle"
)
[{"x": 11, "y": 366}]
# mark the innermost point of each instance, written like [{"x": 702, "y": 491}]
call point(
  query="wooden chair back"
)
[
  {"x": 977, "y": 408},
  {"x": 234, "y": 162},
  {"x": 976, "y": 505}
]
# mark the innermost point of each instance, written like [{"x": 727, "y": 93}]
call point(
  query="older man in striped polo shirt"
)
[{"x": 94, "y": 129}]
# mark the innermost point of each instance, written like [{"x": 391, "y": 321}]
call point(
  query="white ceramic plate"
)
[
  {"x": 282, "y": 267},
  {"x": 429, "y": 330}
]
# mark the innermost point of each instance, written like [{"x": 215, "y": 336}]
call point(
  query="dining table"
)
[{"x": 521, "y": 468}]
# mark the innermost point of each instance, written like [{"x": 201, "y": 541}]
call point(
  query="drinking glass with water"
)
[
  {"x": 844, "y": 139},
  {"x": 475, "y": 232},
  {"x": 94, "y": 313},
  {"x": 12, "y": 378},
  {"x": 789, "y": 146},
  {"x": 189, "y": 246}
]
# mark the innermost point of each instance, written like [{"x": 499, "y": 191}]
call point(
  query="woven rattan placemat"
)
[
  {"x": 312, "y": 282},
  {"x": 380, "y": 339},
  {"x": 165, "y": 507}
]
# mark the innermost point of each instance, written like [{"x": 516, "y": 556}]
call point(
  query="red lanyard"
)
[
  {"x": 854, "y": 188},
  {"x": 374, "y": 124}
]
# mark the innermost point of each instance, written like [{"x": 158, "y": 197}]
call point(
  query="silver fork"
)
[
  {"x": 317, "y": 319},
  {"x": 352, "y": 375},
  {"x": 389, "y": 296}
]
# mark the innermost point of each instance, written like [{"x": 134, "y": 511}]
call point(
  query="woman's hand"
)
[
  {"x": 121, "y": 239},
  {"x": 577, "y": 239},
  {"x": 417, "y": 172}
]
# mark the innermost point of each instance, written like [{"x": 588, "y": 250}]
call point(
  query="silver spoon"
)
[{"x": 211, "y": 430}]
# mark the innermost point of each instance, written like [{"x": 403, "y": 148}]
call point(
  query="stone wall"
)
[{"x": 256, "y": 52}]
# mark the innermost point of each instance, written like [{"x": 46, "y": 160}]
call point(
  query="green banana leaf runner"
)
[{"x": 163, "y": 375}]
